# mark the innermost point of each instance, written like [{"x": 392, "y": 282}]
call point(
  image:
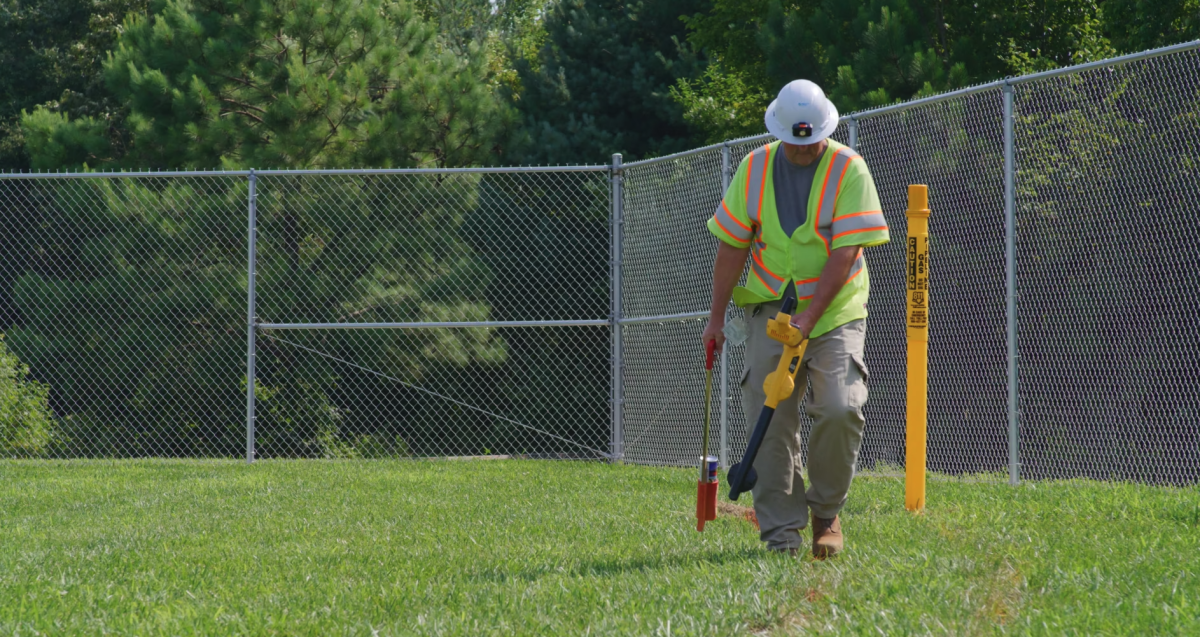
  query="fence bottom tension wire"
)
[{"x": 433, "y": 393}]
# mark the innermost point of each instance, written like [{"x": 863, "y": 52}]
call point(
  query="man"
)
[{"x": 802, "y": 209}]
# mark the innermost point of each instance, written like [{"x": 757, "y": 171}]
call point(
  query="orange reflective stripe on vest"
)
[
  {"x": 829, "y": 192},
  {"x": 807, "y": 288},
  {"x": 869, "y": 221},
  {"x": 736, "y": 230},
  {"x": 756, "y": 180},
  {"x": 773, "y": 281}
]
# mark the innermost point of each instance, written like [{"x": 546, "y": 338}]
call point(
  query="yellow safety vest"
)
[{"x": 843, "y": 210}]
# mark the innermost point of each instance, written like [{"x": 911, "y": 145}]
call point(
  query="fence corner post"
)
[
  {"x": 1010, "y": 260},
  {"x": 616, "y": 390},
  {"x": 724, "y": 424},
  {"x": 852, "y": 133},
  {"x": 251, "y": 259}
]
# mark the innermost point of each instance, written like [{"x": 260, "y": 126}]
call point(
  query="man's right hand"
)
[{"x": 712, "y": 332}]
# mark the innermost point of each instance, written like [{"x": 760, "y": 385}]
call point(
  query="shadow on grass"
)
[{"x": 614, "y": 567}]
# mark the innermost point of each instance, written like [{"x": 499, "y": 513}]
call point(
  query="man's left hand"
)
[{"x": 805, "y": 322}]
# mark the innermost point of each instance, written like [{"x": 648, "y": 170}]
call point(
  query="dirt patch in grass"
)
[
  {"x": 1004, "y": 595},
  {"x": 731, "y": 510}
]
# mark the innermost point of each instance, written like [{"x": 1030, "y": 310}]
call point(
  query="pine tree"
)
[
  {"x": 268, "y": 83},
  {"x": 602, "y": 81},
  {"x": 52, "y": 54},
  {"x": 153, "y": 271}
]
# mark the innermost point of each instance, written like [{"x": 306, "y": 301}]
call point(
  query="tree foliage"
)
[
  {"x": 601, "y": 83},
  {"x": 218, "y": 83},
  {"x": 158, "y": 267},
  {"x": 1136, "y": 25},
  {"x": 873, "y": 52},
  {"x": 52, "y": 54}
]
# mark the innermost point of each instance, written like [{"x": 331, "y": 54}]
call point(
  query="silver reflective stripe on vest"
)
[
  {"x": 807, "y": 289},
  {"x": 731, "y": 225},
  {"x": 765, "y": 276},
  {"x": 858, "y": 266},
  {"x": 831, "y": 183},
  {"x": 756, "y": 182},
  {"x": 858, "y": 222}
]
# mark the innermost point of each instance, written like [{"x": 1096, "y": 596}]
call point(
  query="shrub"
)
[{"x": 26, "y": 422}]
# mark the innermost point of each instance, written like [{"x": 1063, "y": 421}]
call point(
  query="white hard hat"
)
[{"x": 801, "y": 115}]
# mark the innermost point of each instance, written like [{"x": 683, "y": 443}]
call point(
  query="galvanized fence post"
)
[
  {"x": 1010, "y": 258},
  {"x": 725, "y": 177},
  {"x": 852, "y": 133},
  {"x": 252, "y": 259},
  {"x": 616, "y": 391}
]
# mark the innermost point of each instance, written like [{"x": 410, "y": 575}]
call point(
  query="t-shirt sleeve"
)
[
  {"x": 730, "y": 223},
  {"x": 857, "y": 214}
]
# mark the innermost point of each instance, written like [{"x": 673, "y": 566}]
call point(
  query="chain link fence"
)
[
  {"x": 125, "y": 298},
  {"x": 1107, "y": 197},
  {"x": 1090, "y": 194},
  {"x": 396, "y": 314},
  {"x": 557, "y": 312}
]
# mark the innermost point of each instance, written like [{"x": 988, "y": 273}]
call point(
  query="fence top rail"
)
[
  {"x": 949, "y": 95},
  {"x": 679, "y": 155},
  {"x": 1025, "y": 79},
  {"x": 596, "y": 168},
  {"x": 109, "y": 175},
  {"x": 432, "y": 325},
  {"x": 697, "y": 151},
  {"x": 315, "y": 171},
  {"x": 858, "y": 115}
]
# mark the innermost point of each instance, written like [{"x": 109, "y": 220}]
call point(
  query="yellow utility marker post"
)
[{"x": 918, "y": 345}]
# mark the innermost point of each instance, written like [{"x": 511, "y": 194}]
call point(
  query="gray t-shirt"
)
[{"x": 792, "y": 185}]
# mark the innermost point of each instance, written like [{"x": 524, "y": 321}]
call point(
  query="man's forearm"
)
[
  {"x": 833, "y": 278},
  {"x": 727, "y": 269}
]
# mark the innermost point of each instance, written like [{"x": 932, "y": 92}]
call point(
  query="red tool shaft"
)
[{"x": 706, "y": 487}]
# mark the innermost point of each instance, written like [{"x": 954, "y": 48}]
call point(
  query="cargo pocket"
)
[
  {"x": 861, "y": 365},
  {"x": 857, "y": 391}
]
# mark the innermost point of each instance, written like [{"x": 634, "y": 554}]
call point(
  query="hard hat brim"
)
[{"x": 784, "y": 132}]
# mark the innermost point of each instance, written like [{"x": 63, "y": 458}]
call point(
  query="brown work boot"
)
[{"x": 827, "y": 537}]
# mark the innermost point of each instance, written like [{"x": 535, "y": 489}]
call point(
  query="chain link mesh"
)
[
  {"x": 1105, "y": 324},
  {"x": 956, "y": 148},
  {"x": 1107, "y": 199},
  {"x": 434, "y": 392},
  {"x": 126, "y": 299},
  {"x": 363, "y": 248},
  {"x": 667, "y": 257},
  {"x": 434, "y": 248}
]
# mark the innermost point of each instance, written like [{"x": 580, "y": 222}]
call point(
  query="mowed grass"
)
[{"x": 546, "y": 548}]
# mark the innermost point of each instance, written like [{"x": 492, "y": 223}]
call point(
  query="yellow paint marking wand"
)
[
  {"x": 918, "y": 347},
  {"x": 779, "y": 385}
]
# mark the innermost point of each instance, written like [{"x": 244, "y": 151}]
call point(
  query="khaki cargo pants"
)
[{"x": 834, "y": 364}]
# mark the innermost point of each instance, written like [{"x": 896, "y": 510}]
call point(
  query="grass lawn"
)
[{"x": 543, "y": 548}]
